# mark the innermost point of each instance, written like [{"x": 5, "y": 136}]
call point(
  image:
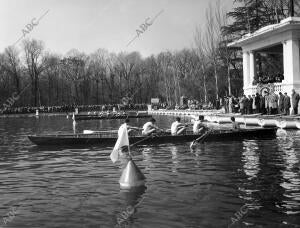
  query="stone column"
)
[
  {"x": 246, "y": 73},
  {"x": 291, "y": 63},
  {"x": 252, "y": 68}
]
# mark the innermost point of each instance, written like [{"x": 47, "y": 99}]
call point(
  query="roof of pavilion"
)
[{"x": 290, "y": 23}]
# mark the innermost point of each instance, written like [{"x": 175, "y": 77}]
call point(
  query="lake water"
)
[{"x": 251, "y": 183}]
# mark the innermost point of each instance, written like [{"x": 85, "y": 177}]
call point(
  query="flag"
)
[{"x": 122, "y": 141}]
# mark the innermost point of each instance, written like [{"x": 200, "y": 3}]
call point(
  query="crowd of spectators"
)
[
  {"x": 71, "y": 108},
  {"x": 265, "y": 78},
  {"x": 191, "y": 104},
  {"x": 266, "y": 103}
]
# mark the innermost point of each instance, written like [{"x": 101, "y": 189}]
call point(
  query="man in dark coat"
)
[
  {"x": 262, "y": 104},
  {"x": 257, "y": 103},
  {"x": 295, "y": 101},
  {"x": 243, "y": 104},
  {"x": 286, "y": 104},
  {"x": 250, "y": 102},
  {"x": 280, "y": 103}
]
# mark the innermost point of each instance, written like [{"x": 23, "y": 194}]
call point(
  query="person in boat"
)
[
  {"x": 198, "y": 126},
  {"x": 177, "y": 128},
  {"x": 150, "y": 128},
  {"x": 130, "y": 129},
  {"x": 235, "y": 125}
]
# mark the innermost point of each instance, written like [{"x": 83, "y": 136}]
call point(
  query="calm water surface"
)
[{"x": 251, "y": 183}]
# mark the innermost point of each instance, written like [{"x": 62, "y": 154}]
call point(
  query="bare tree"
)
[
  {"x": 97, "y": 70},
  {"x": 12, "y": 65},
  {"x": 164, "y": 61},
  {"x": 203, "y": 60},
  {"x": 213, "y": 35},
  {"x": 34, "y": 60},
  {"x": 72, "y": 68},
  {"x": 52, "y": 63}
]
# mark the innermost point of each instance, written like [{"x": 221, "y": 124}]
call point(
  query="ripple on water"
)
[{"x": 205, "y": 187}]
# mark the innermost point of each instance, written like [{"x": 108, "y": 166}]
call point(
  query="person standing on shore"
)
[
  {"x": 286, "y": 104},
  {"x": 254, "y": 107},
  {"x": 235, "y": 125},
  {"x": 243, "y": 101},
  {"x": 273, "y": 99},
  {"x": 257, "y": 103},
  {"x": 267, "y": 102},
  {"x": 230, "y": 104},
  {"x": 250, "y": 105},
  {"x": 262, "y": 104},
  {"x": 226, "y": 104},
  {"x": 295, "y": 101},
  {"x": 280, "y": 103}
]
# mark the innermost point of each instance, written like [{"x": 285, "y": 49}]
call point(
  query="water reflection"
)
[
  {"x": 147, "y": 157},
  {"x": 291, "y": 179},
  {"x": 78, "y": 187},
  {"x": 251, "y": 167},
  {"x": 175, "y": 161},
  {"x": 133, "y": 199},
  {"x": 74, "y": 127},
  {"x": 281, "y": 132},
  {"x": 250, "y": 159}
]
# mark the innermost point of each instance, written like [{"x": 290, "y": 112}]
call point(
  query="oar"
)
[
  {"x": 95, "y": 132},
  {"x": 147, "y": 137},
  {"x": 142, "y": 140},
  {"x": 201, "y": 138}
]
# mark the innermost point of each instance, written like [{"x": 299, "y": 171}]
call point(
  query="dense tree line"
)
[{"x": 204, "y": 72}]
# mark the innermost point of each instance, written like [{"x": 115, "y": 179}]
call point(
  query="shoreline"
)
[{"x": 218, "y": 116}]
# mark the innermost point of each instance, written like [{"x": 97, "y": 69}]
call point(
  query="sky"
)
[{"x": 87, "y": 25}]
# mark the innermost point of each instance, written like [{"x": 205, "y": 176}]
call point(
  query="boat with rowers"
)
[
  {"x": 107, "y": 117},
  {"x": 110, "y": 115},
  {"x": 109, "y": 138}
]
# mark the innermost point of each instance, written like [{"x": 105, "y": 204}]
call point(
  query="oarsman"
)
[
  {"x": 235, "y": 125},
  {"x": 198, "y": 126},
  {"x": 150, "y": 127},
  {"x": 295, "y": 101},
  {"x": 177, "y": 128},
  {"x": 286, "y": 104},
  {"x": 129, "y": 128}
]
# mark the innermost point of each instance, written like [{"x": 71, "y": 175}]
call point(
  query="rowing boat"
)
[
  {"x": 107, "y": 117},
  {"x": 110, "y": 138}
]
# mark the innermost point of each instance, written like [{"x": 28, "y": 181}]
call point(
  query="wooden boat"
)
[
  {"x": 110, "y": 138},
  {"x": 267, "y": 122},
  {"x": 287, "y": 124},
  {"x": 107, "y": 117},
  {"x": 223, "y": 119},
  {"x": 251, "y": 121},
  {"x": 298, "y": 124}
]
